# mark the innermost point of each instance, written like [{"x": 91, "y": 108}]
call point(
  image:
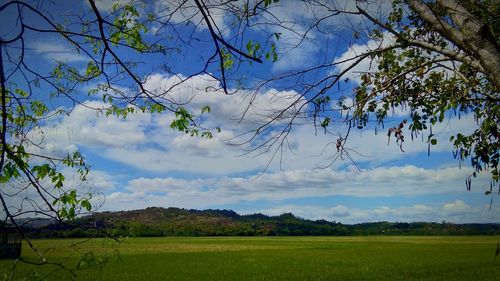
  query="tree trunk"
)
[{"x": 468, "y": 33}]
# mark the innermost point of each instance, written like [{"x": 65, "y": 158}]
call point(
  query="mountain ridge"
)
[{"x": 172, "y": 221}]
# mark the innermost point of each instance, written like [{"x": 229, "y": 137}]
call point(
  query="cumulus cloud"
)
[
  {"x": 457, "y": 207},
  {"x": 22, "y": 198},
  {"x": 226, "y": 110},
  {"x": 146, "y": 141},
  {"x": 88, "y": 127}
]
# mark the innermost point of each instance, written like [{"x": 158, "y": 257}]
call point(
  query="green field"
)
[{"x": 272, "y": 258}]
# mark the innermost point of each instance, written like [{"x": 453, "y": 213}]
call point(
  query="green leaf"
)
[
  {"x": 325, "y": 122},
  {"x": 207, "y": 134},
  {"x": 92, "y": 69},
  {"x": 38, "y": 108},
  {"x": 205, "y": 109},
  {"x": 249, "y": 47},
  {"x": 86, "y": 204}
]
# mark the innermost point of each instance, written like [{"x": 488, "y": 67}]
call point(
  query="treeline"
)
[{"x": 157, "y": 222}]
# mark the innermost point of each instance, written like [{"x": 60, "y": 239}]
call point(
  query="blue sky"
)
[{"x": 139, "y": 161}]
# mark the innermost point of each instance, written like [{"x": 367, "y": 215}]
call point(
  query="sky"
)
[{"x": 140, "y": 161}]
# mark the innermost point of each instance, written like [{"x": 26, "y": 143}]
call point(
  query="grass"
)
[{"x": 273, "y": 258}]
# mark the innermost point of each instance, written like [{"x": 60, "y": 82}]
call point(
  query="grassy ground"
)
[{"x": 272, "y": 258}]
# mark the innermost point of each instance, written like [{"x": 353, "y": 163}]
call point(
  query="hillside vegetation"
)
[{"x": 157, "y": 222}]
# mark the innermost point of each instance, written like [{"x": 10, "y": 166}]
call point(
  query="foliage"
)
[
  {"x": 32, "y": 176},
  {"x": 432, "y": 83},
  {"x": 106, "y": 40},
  {"x": 434, "y": 59}
]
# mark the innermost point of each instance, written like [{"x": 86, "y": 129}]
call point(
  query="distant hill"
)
[{"x": 154, "y": 221}]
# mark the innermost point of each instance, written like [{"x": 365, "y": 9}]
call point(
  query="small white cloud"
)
[
  {"x": 339, "y": 211},
  {"x": 107, "y": 5},
  {"x": 351, "y": 55},
  {"x": 457, "y": 207},
  {"x": 57, "y": 51}
]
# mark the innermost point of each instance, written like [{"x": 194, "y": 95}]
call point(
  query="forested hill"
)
[{"x": 182, "y": 222}]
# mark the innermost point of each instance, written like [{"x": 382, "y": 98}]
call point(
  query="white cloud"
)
[
  {"x": 226, "y": 110},
  {"x": 307, "y": 28},
  {"x": 306, "y": 211},
  {"x": 277, "y": 186},
  {"x": 88, "y": 127},
  {"x": 107, "y": 5},
  {"x": 413, "y": 213},
  {"x": 22, "y": 198},
  {"x": 178, "y": 12},
  {"x": 345, "y": 61},
  {"x": 295, "y": 51},
  {"x": 146, "y": 141},
  {"x": 351, "y": 55},
  {"x": 99, "y": 181},
  {"x": 57, "y": 51},
  {"x": 457, "y": 207}
]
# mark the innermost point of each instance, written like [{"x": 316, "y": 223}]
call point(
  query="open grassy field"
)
[{"x": 273, "y": 258}]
